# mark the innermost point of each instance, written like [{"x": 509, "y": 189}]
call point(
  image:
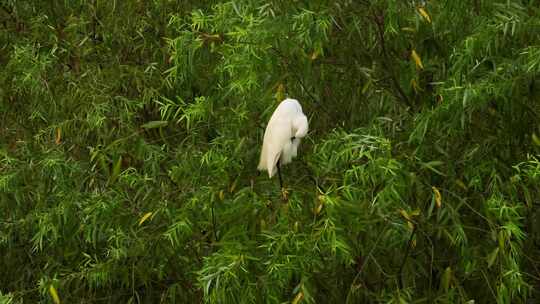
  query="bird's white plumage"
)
[{"x": 287, "y": 126}]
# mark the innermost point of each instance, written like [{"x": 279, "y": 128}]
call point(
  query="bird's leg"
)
[
  {"x": 279, "y": 175},
  {"x": 284, "y": 192}
]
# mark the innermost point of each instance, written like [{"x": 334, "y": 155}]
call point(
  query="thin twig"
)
[
  {"x": 10, "y": 13},
  {"x": 362, "y": 266},
  {"x": 379, "y": 21},
  {"x": 489, "y": 285},
  {"x": 409, "y": 245},
  {"x": 214, "y": 222},
  {"x": 300, "y": 82}
]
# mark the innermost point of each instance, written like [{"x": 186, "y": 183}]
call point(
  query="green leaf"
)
[
  {"x": 431, "y": 166},
  {"x": 155, "y": 124},
  {"x": 116, "y": 170},
  {"x": 492, "y": 256}
]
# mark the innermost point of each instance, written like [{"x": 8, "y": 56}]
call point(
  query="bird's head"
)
[{"x": 300, "y": 126}]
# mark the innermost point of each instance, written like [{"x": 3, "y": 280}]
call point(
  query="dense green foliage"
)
[{"x": 130, "y": 133}]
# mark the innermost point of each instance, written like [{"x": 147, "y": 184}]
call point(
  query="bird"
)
[{"x": 282, "y": 136}]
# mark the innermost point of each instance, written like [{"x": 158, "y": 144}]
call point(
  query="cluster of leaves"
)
[{"x": 130, "y": 135}]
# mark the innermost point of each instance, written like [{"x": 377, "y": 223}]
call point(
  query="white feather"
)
[{"x": 286, "y": 127}]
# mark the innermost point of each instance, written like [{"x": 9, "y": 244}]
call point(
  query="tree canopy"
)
[{"x": 130, "y": 133}]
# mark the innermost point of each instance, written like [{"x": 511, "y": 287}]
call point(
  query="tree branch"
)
[
  {"x": 409, "y": 245},
  {"x": 379, "y": 21}
]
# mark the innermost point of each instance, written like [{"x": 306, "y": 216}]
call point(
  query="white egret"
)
[{"x": 287, "y": 126}]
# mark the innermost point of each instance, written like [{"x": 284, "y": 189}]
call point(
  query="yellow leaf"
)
[
  {"x": 314, "y": 55},
  {"x": 54, "y": 295},
  {"x": 417, "y": 60},
  {"x": 446, "y": 278},
  {"x": 409, "y": 217},
  {"x": 404, "y": 214},
  {"x": 424, "y": 14},
  {"x": 284, "y": 194},
  {"x": 415, "y": 212},
  {"x": 418, "y": 88},
  {"x": 145, "y": 217},
  {"x": 58, "y": 138},
  {"x": 408, "y": 29},
  {"x": 414, "y": 85},
  {"x": 318, "y": 208},
  {"x": 515, "y": 179},
  {"x": 320, "y": 199},
  {"x": 438, "y": 197},
  {"x": 461, "y": 184},
  {"x": 280, "y": 93},
  {"x": 535, "y": 139},
  {"x": 233, "y": 186},
  {"x": 221, "y": 195},
  {"x": 298, "y": 298}
]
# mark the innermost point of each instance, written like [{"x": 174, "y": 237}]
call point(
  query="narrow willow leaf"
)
[
  {"x": 492, "y": 256},
  {"x": 116, "y": 169},
  {"x": 298, "y": 298},
  {"x": 366, "y": 86},
  {"x": 103, "y": 164},
  {"x": 417, "y": 60},
  {"x": 424, "y": 14},
  {"x": 58, "y": 139},
  {"x": 446, "y": 278},
  {"x": 431, "y": 166},
  {"x": 145, "y": 217},
  {"x": 54, "y": 294},
  {"x": 155, "y": 124},
  {"x": 502, "y": 239},
  {"x": 438, "y": 197}
]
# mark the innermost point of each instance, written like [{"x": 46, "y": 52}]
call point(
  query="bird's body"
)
[{"x": 286, "y": 127}]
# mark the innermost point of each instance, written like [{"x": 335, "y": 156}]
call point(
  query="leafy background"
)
[{"x": 130, "y": 134}]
